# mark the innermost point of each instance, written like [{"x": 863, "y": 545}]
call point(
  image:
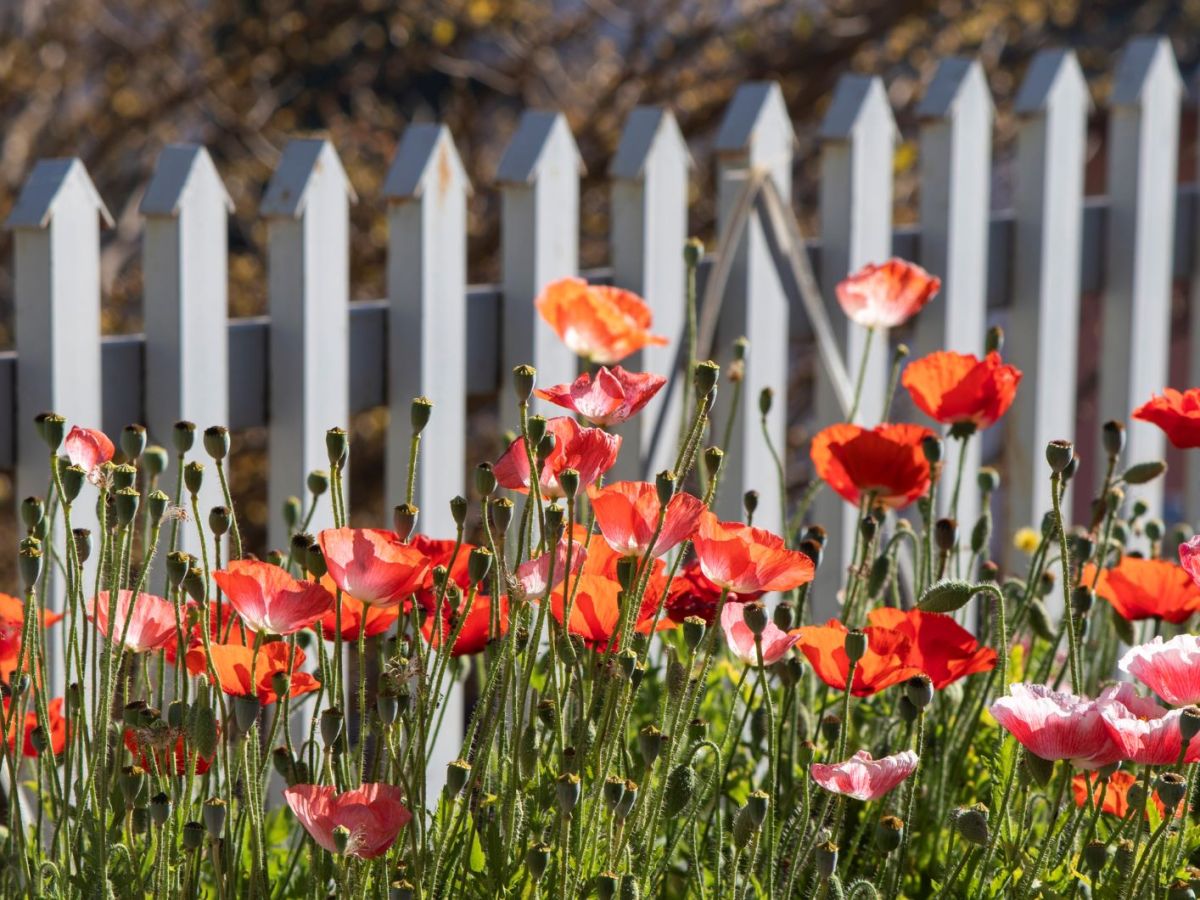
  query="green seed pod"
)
[
  {"x": 219, "y": 520},
  {"x": 1059, "y": 455},
  {"x": 404, "y": 519},
  {"x": 1096, "y": 855},
  {"x": 757, "y": 804},
  {"x": 125, "y": 505},
  {"x": 945, "y": 596},
  {"x": 743, "y": 828},
  {"x": 547, "y": 712},
  {"x": 193, "y": 836},
  {"x": 988, "y": 480},
  {"x": 29, "y": 563},
  {"x": 32, "y": 512},
  {"x": 1039, "y": 620},
  {"x": 681, "y": 787},
  {"x": 714, "y": 457},
  {"x": 485, "y": 480},
  {"x": 178, "y": 564},
  {"x": 994, "y": 342},
  {"x": 693, "y": 252},
  {"x": 402, "y": 889},
  {"x": 1124, "y": 856},
  {"x": 156, "y": 506},
  {"x": 629, "y": 888},
  {"x": 458, "y": 510},
  {"x": 919, "y": 690},
  {"x": 1082, "y": 600},
  {"x": 566, "y": 790},
  {"x": 245, "y": 711},
  {"x": 650, "y": 744},
  {"x": 214, "y": 817},
  {"x": 628, "y": 800},
  {"x": 52, "y": 428},
  {"x": 341, "y": 839},
  {"x": 1189, "y": 723},
  {"x": 72, "y": 478},
  {"x": 537, "y": 858},
  {"x": 555, "y": 517},
  {"x": 972, "y": 823},
  {"x": 856, "y": 644},
  {"x": 528, "y": 750},
  {"x": 1144, "y": 473},
  {"x": 697, "y": 730},
  {"x": 931, "y": 447},
  {"x": 827, "y": 859},
  {"x": 981, "y": 534},
  {"x": 216, "y": 442},
  {"x": 183, "y": 435},
  {"x": 193, "y": 477},
  {"x": 123, "y": 476},
  {"x": 160, "y": 809},
  {"x": 666, "y": 483},
  {"x": 888, "y": 832},
  {"x": 694, "y": 628},
  {"x": 783, "y": 615},
  {"x": 38, "y": 740},
  {"x": 831, "y": 727},
  {"x": 704, "y": 378},
  {"x": 314, "y": 560},
  {"x": 500, "y": 513},
  {"x": 193, "y": 583},
  {"x": 1154, "y": 529},
  {"x": 524, "y": 380},
  {"x": 1112, "y": 436},
  {"x": 754, "y": 614},
  {"x": 608, "y": 884},
  {"x": 479, "y": 563},
  {"x": 155, "y": 460},
  {"x": 457, "y": 773},
  {"x": 419, "y": 412},
  {"x": 544, "y": 448},
  {"x": 535, "y": 430},
  {"x": 332, "y": 723},
  {"x": 568, "y": 480},
  {"x": 1171, "y": 788},
  {"x": 337, "y": 445},
  {"x": 1180, "y": 890},
  {"x": 881, "y": 570}
]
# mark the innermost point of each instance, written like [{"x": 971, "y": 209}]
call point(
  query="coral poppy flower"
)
[
  {"x": 372, "y": 564},
  {"x": 12, "y": 623},
  {"x": 610, "y": 398},
  {"x": 440, "y": 552},
  {"x": 602, "y": 324},
  {"x": 270, "y": 600},
  {"x": 863, "y": 777},
  {"x": 88, "y": 448},
  {"x": 1169, "y": 668},
  {"x": 355, "y": 614},
  {"x": 1116, "y": 794},
  {"x": 883, "y": 665},
  {"x": 373, "y": 814},
  {"x": 627, "y": 515},
  {"x": 1056, "y": 725},
  {"x": 693, "y": 594},
  {"x": 596, "y": 615},
  {"x": 960, "y": 389},
  {"x": 534, "y": 574},
  {"x": 743, "y": 559},
  {"x": 1147, "y": 589},
  {"x": 233, "y": 664},
  {"x": 1146, "y": 733},
  {"x": 936, "y": 644},
  {"x": 159, "y": 756},
  {"x": 589, "y": 451},
  {"x": 58, "y": 727},
  {"x": 740, "y": 639},
  {"x": 887, "y": 295},
  {"x": 1177, "y": 413},
  {"x": 886, "y": 462},
  {"x": 150, "y": 621},
  {"x": 1189, "y": 558},
  {"x": 476, "y": 631}
]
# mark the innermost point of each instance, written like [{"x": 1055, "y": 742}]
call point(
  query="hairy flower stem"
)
[
  {"x": 1057, "y": 487},
  {"x": 909, "y": 806},
  {"x": 862, "y": 375}
]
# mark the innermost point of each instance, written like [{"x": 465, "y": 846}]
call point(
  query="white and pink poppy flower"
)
[
  {"x": 1169, "y": 668},
  {"x": 1147, "y": 733},
  {"x": 1056, "y": 725},
  {"x": 863, "y": 777},
  {"x": 775, "y": 642}
]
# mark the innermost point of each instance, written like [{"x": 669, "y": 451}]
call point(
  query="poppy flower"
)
[
  {"x": 355, "y": 615},
  {"x": 1147, "y": 589},
  {"x": 1169, "y": 668},
  {"x": 627, "y": 514},
  {"x": 602, "y": 324},
  {"x": 610, "y": 398},
  {"x": 886, "y": 462},
  {"x": 534, "y": 574},
  {"x": 1177, "y": 413},
  {"x": 372, "y": 564},
  {"x": 225, "y": 626},
  {"x": 12, "y": 623},
  {"x": 270, "y": 600},
  {"x": 476, "y": 631},
  {"x": 88, "y": 448},
  {"x": 589, "y": 451},
  {"x": 863, "y": 777},
  {"x": 148, "y": 624},
  {"x": 159, "y": 756},
  {"x": 233, "y": 664},
  {"x": 1189, "y": 558},
  {"x": 936, "y": 645},
  {"x": 693, "y": 594},
  {"x": 441, "y": 552},
  {"x": 743, "y": 559},
  {"x": 58, "y": 728},
  {"x": 887, "y": 295},
  {"x": 1147, "y": 734},
  {"x": 740, "y": 639},
  {"x": 596, "y": 613},
  {"x": 1116, "y": 794},
  {"x": 883, "y": 665},
  {"x": 1056, "y": 725},
  {"x": 960, "y": 389},
  {"x": 373, "y": 814}
]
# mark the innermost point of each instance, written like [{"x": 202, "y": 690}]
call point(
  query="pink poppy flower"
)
[
  {"x": 269, "y": 599},
  {"x": 373, "y": 565},
  {"x": 887, "y": 295},
  {"x": 373, "y": 814},
  {"x": 1169, "y": 668},
  {"x": 1146, "y": 733},
  {"x": 627, "y": 515},
  {"x": 151, "y": 620},
  {"x": 1057, "y": 725},
  {"x": 88, "y": 448},
  {"x": 863, "y": 777},
  {"x": 1189, "y": 557},
  {"x": 775, "y": 642},
  {"x": 589, "y": 451},
  {"x": 610, "y": 398},
  {"x": 534, "y": 574}
]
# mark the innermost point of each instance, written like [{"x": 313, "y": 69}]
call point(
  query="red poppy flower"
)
[
  {"x": 164, "y": 759},
  {"x": 937, "y": 645},
  {"x": 1177, "y": 413},
  {"x": 1147, "y": 589},
  {"x": 58, "y": 728},
  {"x": 610, "y": 398},
  {"x": 12, "y": 623},
  {"x": 476, "y": 631},
  {"x": 224, "y": 627},
  {"x": 590, "y": 451},
  {"x": 372, "y": 813},
  {"x": 88, "y": 448},
  {"x": 960, "y": 389},
  {"x": 884, "y": 664},
  {"x": 148, "y": 624},
  {"x": 601, "y": 324},
  {"x": 884, "y": 296},
  {"x": 270, "y": 600},
  {"x": 886, "y": 461},
  {"x": 355, "y": 614},
  {"x": 596, "y": 614},
  {"x": 693, "y": 594},
  {"x": 627, "y": 515},
  {"x": 372, "y": 564},
  {"x": 441, "y": 553},
  {"x": 744, "y": 560},
  {"x": 1116, "y": 795},
  {"x": 233, "y": 664}
]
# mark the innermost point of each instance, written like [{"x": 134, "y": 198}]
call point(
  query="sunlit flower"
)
[
  {"x": 476, "y": 630},
  {"x": 886, "y": 462},
  {"x": 589, "y": 451},
  {"x": 887, "y": 295},
  {"x": 610, "y": 398},
  {"x": 960, "y": 389},
  {"x": 149, "y": 624},
  {"x": 1147, "y": 589},
  {"x": 740, "y": 639},
  {"x": 744, "y": 560},
  {"x": 627, "y": 515},
  {"x": 373, "y": 565},
  {"x": 1177, "y": 413},
  {"x": 1146, "y": 733},
  {"x": 88, "y": 448},
  {"x": 1116, "y": 793},
  {"x": 373, "y": 814},
  {"x": 863, "y": 777},
  {"x": 693, "y": 594},
  {"x": 602, "y": 324},
  {"x": 355, "y": 615},
  {"x": 12, "y": 623},
  {"x": 233, "y": 664},
  {"x": 270, "y": 600},
  {"x": 1056, "y": 725},
  {"x": 171, "y": 758},
  {"x": 1169, "y": 668},
  {"x": 883, "y": 665},
  {"x": 937, "y": 645}
]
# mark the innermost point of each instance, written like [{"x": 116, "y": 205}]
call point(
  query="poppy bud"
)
[
  {"x": 245, "y": 711},
  {"x": 537, "y": 857},
  {"x": 1038, "y": 769},
  {"x": 931, "y": 446},
  {"x": 38, "y": 739},
  {"x": 214, "y": 817},
  {"x": 1154, "y": 529},
  {"x": 193, "y": 836},
  {"x": 945, "y": 596},
  {"x": 713, "y": 458},
  {"x": 831, "y": 727},
  {"x": 458, "y": 510},
  {"x": 750, "y": 503},
  {"x": 1112, "y": 436},
  {"x": 755, "y": 616},
  {"x": 650, "y": 744},
  {"x": 566, "y": 790},
  {"x": 29, "y": 563},
  {"x": 216, "y": 442},
  {"x": 568, "y": 480},
  {"x": 988, "y": 480},
  {"x": 535, "y": 429},
  {"x": 193, "y": 477},
  {"x": 332, "y": 722},
  {"x": 337, "y": 443},
  {"x": 972, "y": 823},
  {"x": 919, "y": 690},
  {"x": 945, "y": 534},
  {"x": 888, "y": 832},
  {"x": 666, "y": 483},
  {"x": 193, "y": 583},
  {"x": 404, "y": 519},
  {"x": 681, "y": 787},
  {"x": 52, "y": 428},
  {"x": 500, "y": 512},
  {"x": 419, "y": 412},
  {"x": 1095, "y": 856},
  {"x": 827, "y": 859},
  {"x": 457, "y": 773},
  {"x": 704, "y": 378},
  {"x": 219, "y": 520},
  {"x": 524, "y": 379},
  {"x": 1082, "y": 599},
  {"x": 1059, "y": 455},
  {"x": 994, "y": 342},
  {"x": 782, "y": 615},
  {"x": 479, "y": 563},
  {"x": 766, "y": 399},
  {"x": 693, "y": 252},
  {"x": 813, "y": 550},
  {"x": 72, "y": 478},
  {"x": 1172, "y": 788},
  {"x": 881, "y": 570},
  {"x": 743, "y": 828}
]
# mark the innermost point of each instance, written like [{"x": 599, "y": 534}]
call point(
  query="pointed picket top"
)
[
  {"x": 1145, "y": 61},
  {"x": 1052, "y": 74},
  {"x": 426, "y": 157},
  {"x": 648, "y": 130},
  {"x": 181, "y": 168},
  {"x": 958, "y": 81},
  {"x": 303, "y": 159},
  {"x": 50, "y": 181},
  {"x": 755, "y": 106},
  {"x": 541, "y": 135},
  {"x": 858, "y": 101}
]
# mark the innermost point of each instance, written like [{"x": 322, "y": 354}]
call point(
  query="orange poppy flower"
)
[
  {"x": 596, "y": 614},
  {"x": 884, "y": 664},
  {"x": 153, "y": 758},
  {"x": 58, "y": 728},
  {"x": 887, "y": 295},
  {"x": 937, "y": 645},
  {"x": 1147, "y": 589},
  {"x": 744, "y": 560},
  {"x": 355, "y": 614},
  {"x": 960, "y": 389},
  {"x": 233, "y": 664},
  {"x": 1177, "y": 413},
  {"x": 1116, "y": 797},
  {"x": 589, "y": 451},
  {"x": 372, "y": 564},
  {"x": 886, "y": 461},
  {"x": 12, "y": 622},
  {"x": 601, "y": 324},
  {"x": 610, "y": 398},
  {"x": 476, "y": 631},
  {"x": 270, "y": 600},
  {"x": 627, "y": 515}
]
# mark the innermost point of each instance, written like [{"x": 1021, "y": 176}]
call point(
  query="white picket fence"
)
[{"x": 316, "y": 358}]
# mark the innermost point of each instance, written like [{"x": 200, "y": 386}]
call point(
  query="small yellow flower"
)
[{"x": 1026, "y": 540}]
